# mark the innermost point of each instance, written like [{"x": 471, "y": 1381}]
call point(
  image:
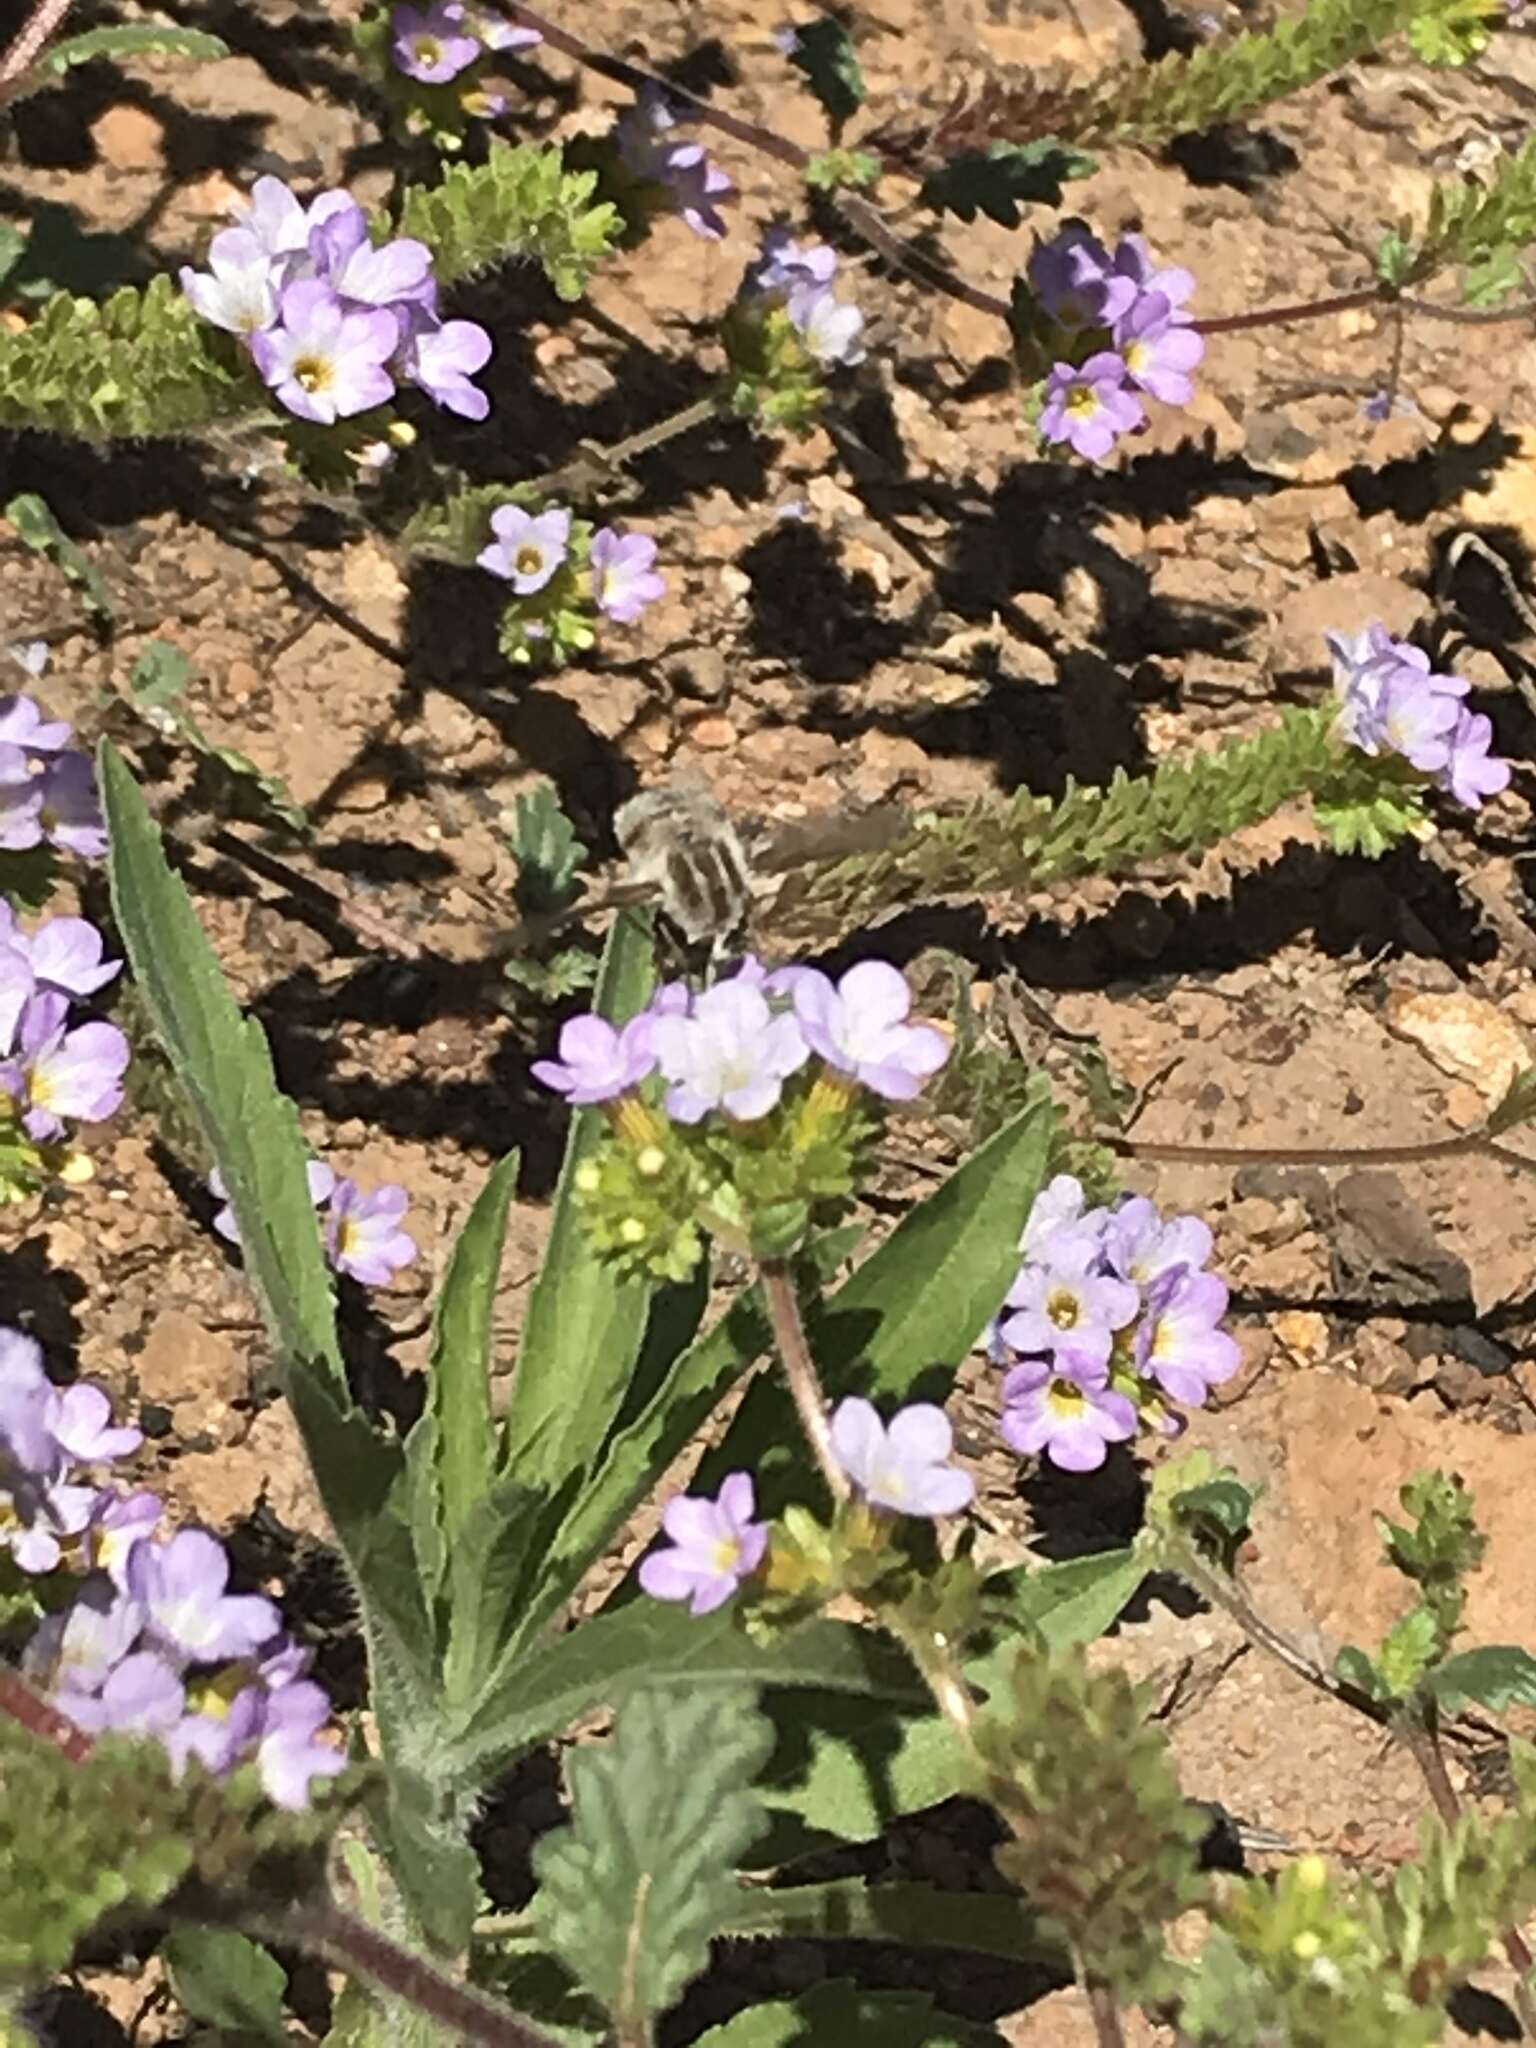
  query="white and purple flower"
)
[
  {"x": 860, "y": 1028},
  {"x": 713, "y": 1546},
  {"x": 903, "y": 1466}
]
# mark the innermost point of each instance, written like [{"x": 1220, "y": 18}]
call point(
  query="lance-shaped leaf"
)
[
  {"x": 228, "y": 1980},
  {"x": 907, "y": 1915},
  {"x": 632, "y": 1893}
]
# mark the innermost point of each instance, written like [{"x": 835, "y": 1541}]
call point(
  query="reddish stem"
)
[
  {"x": 22, "y": 1704},
  {"x": 30, "y": 43}
]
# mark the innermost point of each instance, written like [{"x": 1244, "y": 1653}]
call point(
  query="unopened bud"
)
[
  {"x": 588, "y": 1177},
  {"x": 77, "y": 1169},
  {"x": 1312, "y": 1874},
  {"x": 651, "y": 1162},
  {"x": 632, "y": 1230}
]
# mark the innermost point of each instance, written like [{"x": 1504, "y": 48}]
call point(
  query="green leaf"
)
[
  {"x": 1493, "y": 280},
  {"x": 907, "y": 1915},
  {"x": 846, "y": 1769},
  {"x": 602, "y": 1661},
  {"x": 585, "y": 1327},
  {"x": 157, "y": 686},
  {"x": 823, "y": 53},
  {"x": 1004, "y": 176},
  {"x": 1356, "y": 1668},
  {"x": 841, "y": 2015},
  {"x": 34, "y": 522},
  {"x": 549, "y": 855},
  {"x": 227, "y": 1980},
  {"x": 908, "y": 1315},
  {"x": 633, "y": 1892},
  {"x": 1224, "y": 1504},
  {"x": 460, "y": 1374},
  {"x": 1518, "y": 1105},
  {"x": 1494, "y": 1675},
  {"x": 147, "y": 40}
]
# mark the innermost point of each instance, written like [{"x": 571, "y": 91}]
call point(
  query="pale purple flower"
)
[
  {"x": 1471, "y": 772},
  {"x": 1412, "y": 719},
  {"x": 1141, "y": 1244},
  {"x": 26, "y": 1403},
  {"x": 672, "y": 999},
  {"x": 715, "y": 1545},
  {"x": 363, "y": 1233},
  {"x": 365, "y": 275},
  {"x": 1088, "y": 407},
  {"x": 40, "y": 1516},
  {"x": 1159, "y": 351},
  {"x": 21, "y": 802},
  {"x": 322, "y": 362},
  {"x": 732, "y": 1053},
  {"x": 32, "y": 655},
  {"x": 238, "y": 291},
  {"x": 829, "y": 327},
  {"x": 1376, "y": 676},
  {"x": 1058, "y": 1208},
  {"x": 70, "y": 807},
  {"x": 529, "y": 547},
  {"x": 1076, "y": 282},
  {"x": 431, "y": 45},
  {"x": 121, "y": 1520},
  {"x": 23, "y": 724},
  {"x": 499, "y": 34},
  {"x": 442, "y": 360},
  {"x": 1072, "y": 1422},
  {"x": 599, "y": 1062},
  {"x": 274, "y": 218},
  {"x": 1179, "y": 1343},
  {"x": 216, "y": 1739},
  {"x": 785, "y": 263},
  {"x": 860, "y": 1028},
  {"x": 17, "y": 983},
  {"x": 76, "y": 1649},
  {"x": 1063, "y": 1304},
  {"x": 288, "y": 1755},
  {"x": 140, "y": 1696},
  {"x": 181, "y": 1587},
  {"x": 320, "y": 1177},
  {"x": 624, "y": 577},
  {"x": 1133, "y": 259},
  {"x": 904, "y": 1467},
  {"x": 65, "y": 953},
  {"x": 57, "y": 1073},
  {"x": 82, "y": 1426},
  {"x": 689, "y": 174}
]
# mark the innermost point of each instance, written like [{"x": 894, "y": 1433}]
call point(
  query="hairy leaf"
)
[
  {"x": 519, "y": 202},
  {"x": 1494, "y": 1675},
  {"x": 143, "y": 39},
  {"x": 841, "y": 2015},
  {"x": 910, "y": 1916},
  {"x": 228, "y": 1980},
  {"x": 1000, "y": 179},
  {"x": 632, "y": 1893},
  {"x": 35, "y": 523}
]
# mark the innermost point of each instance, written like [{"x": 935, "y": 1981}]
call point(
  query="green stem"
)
[{"x": 783, "y": 1305}]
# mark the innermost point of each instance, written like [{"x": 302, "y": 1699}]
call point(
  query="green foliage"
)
[
  {"x": 834, "y": 169},
  {"x": 908, "y": 1916},
  {"x": 823, "y": 53},
  {"x": 1453, "y": 36},
  {"x": 1104, "y": 1840},
  {"x": 549, "y": 855},
  {"x": 140, "y": 364},
  {"x": 1183, "y": 806},
  {"x": 57, "y": 254},
  {"x": 157, "y": 686},
  {"x": 144, "y": 39},
  {"x": 1518, "y": 1105},
  {"x": 228, "y": 1980},
  {"x": 632, "y": 1893},
  {"x": 35, "y": 524},
  {"x": 1149, "y": 104},
  {"x": 1000, "y": 179},
  {"x": 1438, "y": 1549},
  {"x": 841, "y": 2015},
  {"x": 1195, "y": 1506},
  {"x": 1496, "y": 1675},
  {"x": 1494, "y": 279},
  {"x": 520, "y": 202},
  {"x": 1470, "y": 222}
]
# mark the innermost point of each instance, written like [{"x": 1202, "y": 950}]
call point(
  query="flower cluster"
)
[
  {"x": 53, "y": 1072},
  {"x": 740, "y": 1109},
  {"x": 561, "y": 572},
  {"x": 153, "y": 1642},
  {"x": 675, "y": 176},
  {"x": 433, "y": 45},
  {"x": 1391, "y": 701},
  {"x": 732, "y": 1047},
  {"x": 363, "y": 1233},
  {"x": 47, "y": 787},
  {"x": 902, "y": 1468},
  {"x": 331, "y": 319},
  {"x": 1111, "y": 1318},
  {"x": 1119, "y": 330},
  {"x": 787, "y": 328}
]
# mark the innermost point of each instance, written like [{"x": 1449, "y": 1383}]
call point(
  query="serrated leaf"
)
[
  {"x": 1000, "y": 179},
  {"x": 1408, "y": 1651},
  {"x": 35, "y": 523},
  {"x": 822, "y": 52},
  {"x": 149, "y": 39},
  {"x": 632, "y": 1893},
  {"x": 1356, "y": 1668},
  {"x": 1493, "y": 280},
  {"x": 1494, "y": 1675},
  {"x": 227, "y": 1980},
  {"x": 548, "y": 853},
  {"x": 603, "y": 1660},
  {"x": 841, "y": 2015}
]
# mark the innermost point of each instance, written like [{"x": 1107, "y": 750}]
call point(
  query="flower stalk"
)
[{"x": 783, "y": 1306}]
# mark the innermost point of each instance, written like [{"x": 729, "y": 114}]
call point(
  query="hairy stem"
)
[
  {"x": 338, "y": 1937},
  {"x": 1107, "y": 2030},
  {"x": 46, "y": 18},
  {"x": 800, "y": 1371},
  {"x": 1465, "y": 1143}
]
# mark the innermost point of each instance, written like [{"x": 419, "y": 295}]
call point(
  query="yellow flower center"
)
[
  {"x": 314, "y": 373},
  {"x": 1082, "y": 401},
  {"x": 428, "y": 50},
  {"x": 727, "y": 1554},
  {"x": 529, "y": 559},
  {"x": 1063, "y": 1309},
  {"x": 1067, "y": 1398}
]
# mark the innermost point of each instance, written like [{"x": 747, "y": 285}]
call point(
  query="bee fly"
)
[{"x": 681, "y": 847}]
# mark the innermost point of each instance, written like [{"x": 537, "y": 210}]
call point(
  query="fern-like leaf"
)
[{"x": 519, "y": 202}]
